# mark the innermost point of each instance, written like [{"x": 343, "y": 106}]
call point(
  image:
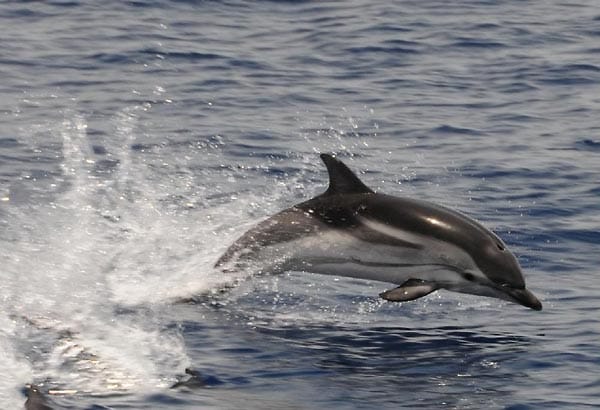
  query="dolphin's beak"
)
[{"x": 523, "y": 297}]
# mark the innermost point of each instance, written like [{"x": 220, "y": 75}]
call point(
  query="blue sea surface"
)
[{"x": 139, "y": 139}]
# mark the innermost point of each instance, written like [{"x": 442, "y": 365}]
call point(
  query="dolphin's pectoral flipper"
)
[{"x": 410, "y": 290}]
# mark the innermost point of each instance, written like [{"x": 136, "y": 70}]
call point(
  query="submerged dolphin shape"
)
[
  {"x": 36, "y": 399},
  {"x": 350, "y": 230}
]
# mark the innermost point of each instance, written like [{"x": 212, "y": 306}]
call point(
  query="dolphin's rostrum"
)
[{"x": 349, "y": 230}]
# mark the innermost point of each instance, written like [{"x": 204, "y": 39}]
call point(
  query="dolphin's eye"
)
[
  {"x": 500, "y": 246},
  {"x": 469, "y": 276}
]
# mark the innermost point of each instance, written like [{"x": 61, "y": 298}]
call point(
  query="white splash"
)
[{"x": 89, "y": 275}]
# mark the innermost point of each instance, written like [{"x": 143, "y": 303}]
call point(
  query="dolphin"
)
[{"x": 350, "y": 230}]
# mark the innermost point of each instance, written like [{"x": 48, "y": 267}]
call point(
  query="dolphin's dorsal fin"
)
[{"x": 341, "y": 179}]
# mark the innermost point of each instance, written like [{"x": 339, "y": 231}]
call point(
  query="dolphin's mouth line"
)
[{"x": 522, "y": 296}]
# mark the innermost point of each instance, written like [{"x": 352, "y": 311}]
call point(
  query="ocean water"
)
[{"x": 139, "y": 139}]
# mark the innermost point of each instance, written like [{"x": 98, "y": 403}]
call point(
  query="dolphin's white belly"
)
[{"x": 336, "y": 252}]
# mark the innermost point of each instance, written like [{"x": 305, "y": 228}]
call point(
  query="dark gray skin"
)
[
  {"x": 348, "y": 201},
  {"x": 36, "y": 399}
]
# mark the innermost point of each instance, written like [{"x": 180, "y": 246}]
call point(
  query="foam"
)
[
  {"x": 16, "y": 371},
  {"x": 89, "y": 274}
]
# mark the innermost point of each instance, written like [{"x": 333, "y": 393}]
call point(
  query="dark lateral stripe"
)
[
  {"x": 405, "y": 265},
  {"x": 382, "y": 264}
]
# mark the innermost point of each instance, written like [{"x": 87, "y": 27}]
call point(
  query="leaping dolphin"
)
[{"x": 350, "y": 230}]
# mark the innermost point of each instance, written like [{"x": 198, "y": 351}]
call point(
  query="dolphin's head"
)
[
  {"x": 497, "y": 274},
  {"x": 475, "y": 259}
]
